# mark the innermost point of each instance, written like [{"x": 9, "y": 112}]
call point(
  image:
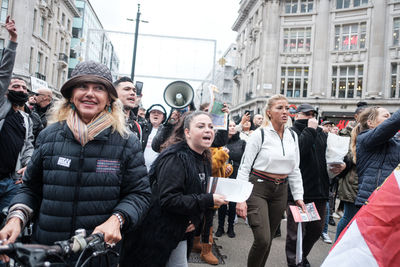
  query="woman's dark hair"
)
[
  {"x": 178, "y": 134},
  {"x": 361, "y": 105},
  {"x": 204, "y": 106},
  {"x": 189, "y": 118}
]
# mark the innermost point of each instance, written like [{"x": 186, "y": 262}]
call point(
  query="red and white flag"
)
[{"x": 372, "y": 238}]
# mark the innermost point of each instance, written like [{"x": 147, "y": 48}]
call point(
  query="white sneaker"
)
[
  {"x": 335, "y": 215},
  {"x": 340, "y": 213},
  {"x": 325, "y": 237}
]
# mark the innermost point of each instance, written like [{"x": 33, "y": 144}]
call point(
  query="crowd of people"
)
[{"x": 97, "y": 160}]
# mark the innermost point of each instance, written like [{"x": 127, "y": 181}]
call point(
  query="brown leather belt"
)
[{"x": 265, "y": 177}]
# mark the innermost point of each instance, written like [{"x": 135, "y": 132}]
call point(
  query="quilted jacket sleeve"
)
[
  {"x": 135, "y": 187},
  {"x": 30, "y": 192},
  {"x": 381, "y": 134}
]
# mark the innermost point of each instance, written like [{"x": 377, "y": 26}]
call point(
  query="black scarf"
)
[
  {"x": 17, "y": 98},
  {"x": 301, "y": 124}
]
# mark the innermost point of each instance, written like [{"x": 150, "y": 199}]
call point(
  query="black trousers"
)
[
  {"x": 311, "y": 231},
  {"x": 205, "y": 226},
  {"x": 222, "y": 214}
]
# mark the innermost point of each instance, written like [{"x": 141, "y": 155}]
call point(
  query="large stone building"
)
[
  {"x": 90, "y": 41},
  {"x": 44, "y": 37},
  {"x": 329, "y": 53}
]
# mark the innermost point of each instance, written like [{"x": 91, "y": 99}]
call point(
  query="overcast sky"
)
[{"x": 204, "y": 19}]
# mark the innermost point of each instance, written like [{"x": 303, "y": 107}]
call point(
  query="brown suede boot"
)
[
  {"x": 196, "y": 244},
  {"x": 207, "y": 255}
]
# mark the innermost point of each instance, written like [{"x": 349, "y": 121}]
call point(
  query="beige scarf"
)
[{"x": 84, "y": 133}]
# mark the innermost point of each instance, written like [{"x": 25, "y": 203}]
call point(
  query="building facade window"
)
[
  {"x": 347, "y": 81},
  {"x": 53, "y": 78},
  {"x": 76, "y": 33},
  {"x": 45, "y": 65},
  {"x": 251, "y": 84},
  {"x": 350, "y": 36},
  {"x": 297, "y": 39},
  {"x": 340, "y": 4},
  {"x": 41, "y": 28},
  {"x": 396, "y": 31},
  {"x": 395, "y": 80},
  {"x": 1, "y": 47},
  {"x": 38, "y": 62},
  {"x": 63, "y": 19},
  {"x": 298, "y": 6},
  {"x": 48, "y": 31},
  {"x": 31, "y": 60},
  {"x": 34, "y": 20},
  {"x": 4, "y": 11},
  {"x": 294, "y": 81},
  {"x": 62, "y": 45}
]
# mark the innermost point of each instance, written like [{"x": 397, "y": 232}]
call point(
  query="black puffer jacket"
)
[
  {"x": 179, "y": 176},
  {"x": 236, "y": 148},
  {"x": 312, "y": 147},
  {"x": 69, "y": 186}
]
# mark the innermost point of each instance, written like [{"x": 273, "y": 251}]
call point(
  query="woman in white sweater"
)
[{"x": 271, "y": 162}]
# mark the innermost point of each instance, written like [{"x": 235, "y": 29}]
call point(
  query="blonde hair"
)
[
  {"x": 368, "y": 114},
  {"x": 271, "y": 101},
  {"x": 59, "y": 112}
]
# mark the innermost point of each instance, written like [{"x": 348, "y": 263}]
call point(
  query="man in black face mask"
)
[
  {"x": 312, "y": 147},
  {"x": 15, "y": 124}
]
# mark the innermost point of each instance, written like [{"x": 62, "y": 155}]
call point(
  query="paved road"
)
[{"x": 236, "y": 249}]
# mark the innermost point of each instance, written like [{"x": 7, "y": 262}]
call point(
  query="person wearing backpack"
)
[{"x": 270, "y": 162}]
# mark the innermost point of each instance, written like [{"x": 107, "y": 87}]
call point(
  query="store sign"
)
[
  {"x": 342, "y": 124},
  {"x": 36, "y": 84},
  {"x": 292, "y": 110}
]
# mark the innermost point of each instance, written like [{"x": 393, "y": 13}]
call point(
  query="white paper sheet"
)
[{"x": 234, "y": 190}]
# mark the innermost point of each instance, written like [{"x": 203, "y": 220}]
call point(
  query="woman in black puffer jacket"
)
[
  {"x": 236, "y": 148},
  {"x": 87, "y": 170}
]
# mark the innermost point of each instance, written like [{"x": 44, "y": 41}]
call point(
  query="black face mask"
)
[
  {"x": 303, "y": 121},
  {"x": 17, "y": 98}
]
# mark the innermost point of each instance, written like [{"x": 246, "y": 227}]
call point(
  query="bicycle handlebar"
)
[{"x": 36, "y": 254}]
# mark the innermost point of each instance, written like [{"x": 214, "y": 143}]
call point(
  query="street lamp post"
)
[
  {"x": 136, "y": 38},
  {"x": 135, "y": 44}
]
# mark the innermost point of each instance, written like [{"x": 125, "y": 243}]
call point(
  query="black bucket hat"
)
[{"x": 89, "y": 72}]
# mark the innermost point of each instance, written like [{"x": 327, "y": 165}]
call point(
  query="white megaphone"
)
[{"x": 178, "y": 94}]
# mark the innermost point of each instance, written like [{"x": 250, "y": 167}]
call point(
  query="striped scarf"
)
[{"x": 84, "y": 133}]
